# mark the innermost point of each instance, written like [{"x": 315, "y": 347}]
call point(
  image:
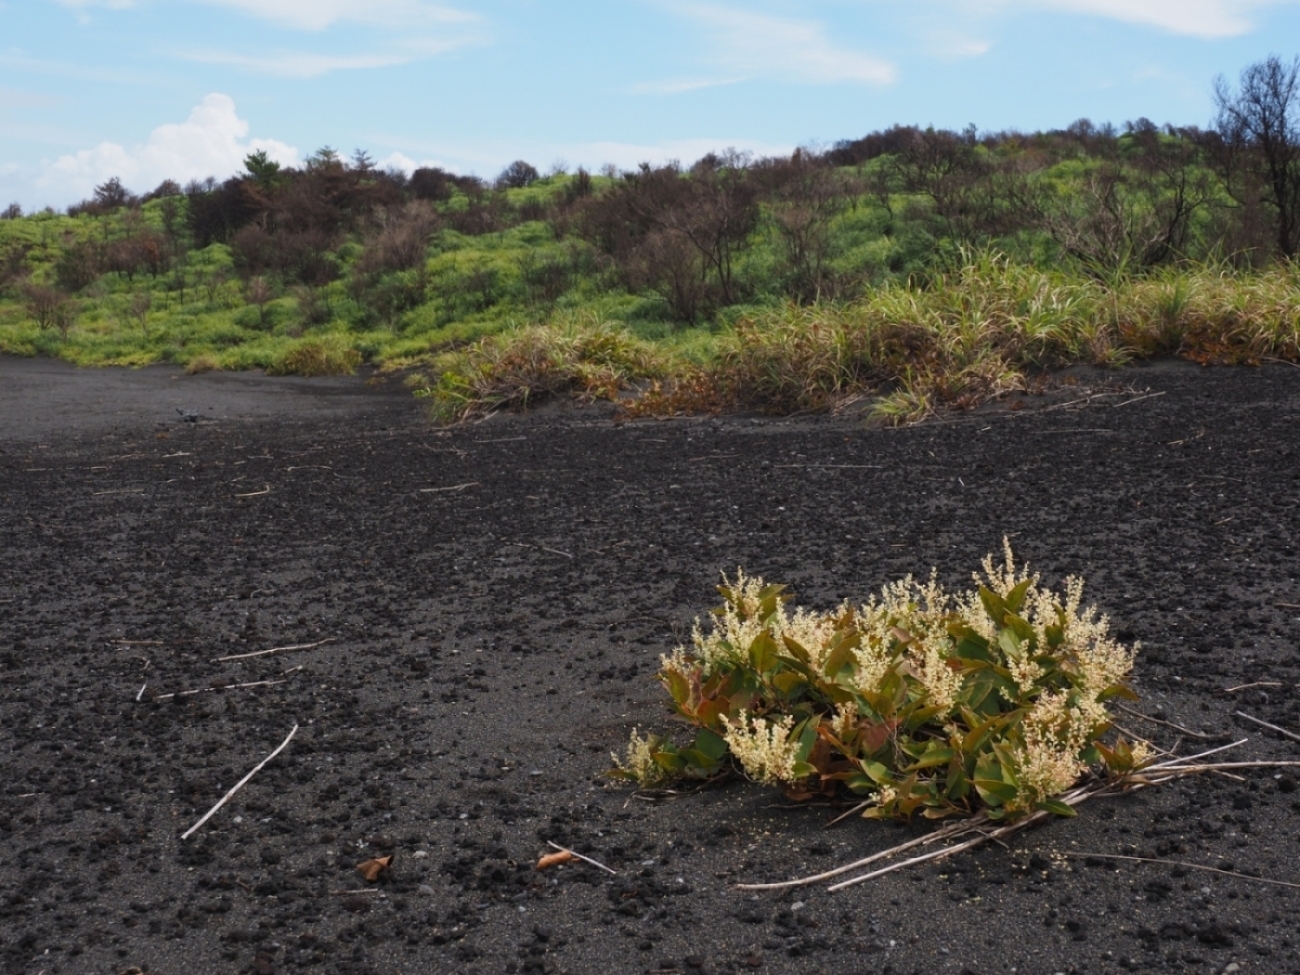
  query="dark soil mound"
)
[{"x": 495, "y": 599}]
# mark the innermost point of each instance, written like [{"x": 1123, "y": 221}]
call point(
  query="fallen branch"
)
[
  {"x": 240, "y": 784},
  {"x": 1136, "y": 399},
  {"x": 1287, "y": 605},
  {"x": 255, "y": 494},
  {"x": 1264, "y": 724},
  {"x": 986, "y": 830},
  {"x": 455, "y": 487},
  {"x": 218, "y": 687},
  {"x": 1184, "y": 864},
  {"x": 1258, "y": 683},
  {"x": 553, "y": 551},
  {"x": 572, "y": 853},
  {"x": 138, "y": 643},
  {"x": 1167, "y": 724},
  {"x": 263, "y": 653}
]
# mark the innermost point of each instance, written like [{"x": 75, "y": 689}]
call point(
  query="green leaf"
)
[
  {"x": 797, "y": 650},
  {"x": 876, "y": 772},
  {"x": 933, "y": 756},
  {"x": 679, "y": 688},
  {"x": 958, "y": 784},
  {"x": 1056, "y": 807},
  {"x": 995, "y": 792},
  {"x": 763, "y": 652},
  {"x": 1016, "y": 597},
  {"x": 841, "y": 655},
  {"x": 994, "y": 605},
  {"x": 710, "y": 744},
  {"x": 1117, "y": 690}
]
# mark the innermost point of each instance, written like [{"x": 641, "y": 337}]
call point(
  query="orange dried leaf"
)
[
  {"x": 371, "y": 869},
  {"x": 551, "y": 859}
]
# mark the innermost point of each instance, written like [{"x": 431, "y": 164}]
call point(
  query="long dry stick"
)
[
  {"x": 980, "y": 823},
  {"x": 1265, "y": 724},
  {"x": 220, "y": 687},
  {"x": 240, "y": 784},
  {"x": 574, "y": 853},
  {"x": 263, "y": 653},
  {"x": 456, "y": 487},
  {"x": 1183, "y": 863},
  {"x": 1167, "y": 724},
  {"x": 1258, "y": 683}
]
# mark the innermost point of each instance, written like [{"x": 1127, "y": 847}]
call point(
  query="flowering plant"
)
[{"x": 992, "y": 699}]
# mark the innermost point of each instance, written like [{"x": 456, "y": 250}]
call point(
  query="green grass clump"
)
[
  {"x": 990, "y": 701},
  {"x": 591, "y": 359},
  {"x": 327, "y": 356}
]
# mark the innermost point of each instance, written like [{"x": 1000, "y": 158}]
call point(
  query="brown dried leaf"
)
[
  {"x": 551, "y": 859},
  {"x": 371, "y": 869}
]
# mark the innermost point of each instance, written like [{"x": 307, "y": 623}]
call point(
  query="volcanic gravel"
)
[{"x": 495, "y": 599}]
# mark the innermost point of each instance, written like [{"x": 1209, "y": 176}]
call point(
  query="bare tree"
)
[
  {"x": 1260, "y": 128},
  {"x": 138, "y": 309},
  {"x": 258, "y": 292},
  {"x": 49, "y": 308}
]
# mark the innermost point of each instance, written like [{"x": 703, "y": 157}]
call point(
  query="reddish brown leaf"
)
[{"x": 371, "y": 869}]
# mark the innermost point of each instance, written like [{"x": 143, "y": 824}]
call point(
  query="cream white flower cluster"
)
[
  {"x": 639, "y": 762},
  {"x": 763, "y": 748},
  {"x": 738, "y": 625},
  {"x": 904, "y": 632}
]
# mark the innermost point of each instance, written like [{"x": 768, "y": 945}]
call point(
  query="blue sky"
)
[{"x": 182, "y": 89}]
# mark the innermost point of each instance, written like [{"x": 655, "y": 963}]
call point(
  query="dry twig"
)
[
  {"x": 1167, "y": 724},
  {"x": 1258, "y": 683},
  {"x": 263, "y": 653},
  {"x": 985, "y": 830},
  {"x": 1264, "y": 724},
  {"x": 1182, "y": 863},
  {"x": 454, "y": 487},
  {"x": 572, "y": 853},
  {"x": 240, "y": 784},
  {"x": 218, "y": 687}
]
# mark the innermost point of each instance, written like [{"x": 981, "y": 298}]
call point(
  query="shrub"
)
[
  {"x": 590, "y": 360},
  {"x": 992, "y": 700},
  {"x": 203, "y": 362},
  {"x": 316, "y": 357}
]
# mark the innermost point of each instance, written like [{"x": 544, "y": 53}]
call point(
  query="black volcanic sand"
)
[{"x": 496, "y": 598}]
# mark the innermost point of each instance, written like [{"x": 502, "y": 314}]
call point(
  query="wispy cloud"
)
[
  {"x": 319, "y": 14},
  {"x": 759, "y": 45},
  {"x": 24, "y": 64},
  {"x": 17, "y": 98},
  {"x": 110, "y": 4},
  {"x": 679, "y": 86},
  {"x": 213, "y": 141},
  {"x": 1195, "y": 18},
  {"x": 309, "y": 64},
  {"x": 295, "y": 64}
]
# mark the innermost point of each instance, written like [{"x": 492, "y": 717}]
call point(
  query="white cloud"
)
[
  {"x": 1195, "y": 18},
  {"x": 757, "y": 45},
  {"x": 319, "y": 14},
  {"x": 110, "y": 4},
  {"x": 296, "y": 64},
  {"x": 680, "y": 86},
  {"x": 213, "y": 141}
]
